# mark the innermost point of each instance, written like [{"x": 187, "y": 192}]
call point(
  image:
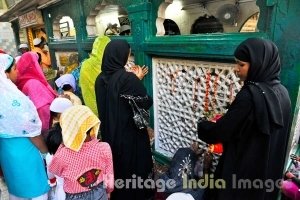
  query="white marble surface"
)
[{"x": 4, "y": 191}]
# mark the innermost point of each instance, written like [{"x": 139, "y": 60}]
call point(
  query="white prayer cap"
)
[
  {"x": 66, "y": 79},
  {"x": 60, "y": 104},
  {"x": 23, "y": 46},
  {"x": 180, "y": 196},
  {"x": 36, "y": 41}
]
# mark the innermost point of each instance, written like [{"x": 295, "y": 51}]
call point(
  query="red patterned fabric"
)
[{"x": 82, "y": 170}]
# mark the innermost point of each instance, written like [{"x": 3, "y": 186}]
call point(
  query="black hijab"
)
[
  {"x": 108, "y": 85},
  {"x": 263, "y": 74},
  {"x": 115, "y": 56}
]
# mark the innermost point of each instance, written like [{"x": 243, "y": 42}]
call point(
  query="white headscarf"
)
[
  {"x": 66, "y": 79},
  {"x": 6, "y": 61},
  {"x": 18, "y": 115}
]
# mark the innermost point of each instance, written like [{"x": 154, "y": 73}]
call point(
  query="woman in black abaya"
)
[
  {"x": 255, "y": 129},
  {"x": 130, "y": 145}
]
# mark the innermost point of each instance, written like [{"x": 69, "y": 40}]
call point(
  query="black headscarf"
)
[
  {"x": 108, "y": 85},
  {"x": 262, "y": 75},
  {"x": 115, "y": 56}
]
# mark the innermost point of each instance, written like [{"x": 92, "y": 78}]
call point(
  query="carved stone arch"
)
[
  {"x": 92, "y": 26},
  {"x": 230, "y": 13},
  {"x": 161, "y": 17},
  {"x": 91, "y": 19},
  {"x": 250, "y": 24},
  {"x": 56, "y": 29},
  {"x": 57, "y": 34}
]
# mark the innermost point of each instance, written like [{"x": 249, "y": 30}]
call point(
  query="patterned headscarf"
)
[
  {"x": 18, "y": 115},
  {"x": 75, "y": 122}
]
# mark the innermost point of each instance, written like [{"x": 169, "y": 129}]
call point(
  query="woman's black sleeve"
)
[
  {"x": 230, "y": 124},
  {"x": 134, "y": 87}
]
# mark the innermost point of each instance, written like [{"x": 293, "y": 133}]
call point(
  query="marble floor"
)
[{"x": 3, "y": 190}]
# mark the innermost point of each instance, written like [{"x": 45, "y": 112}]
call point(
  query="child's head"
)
[
  {"x": 78, "y": 123},
  {"x": 67, "y": 87},
  {"x": 58, "y": 106},
  {"x": 54, "y": 139},
  {"x": 67, "y": 82}
]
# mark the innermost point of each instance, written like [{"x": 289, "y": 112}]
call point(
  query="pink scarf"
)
[{"x": 29, "y": 68}]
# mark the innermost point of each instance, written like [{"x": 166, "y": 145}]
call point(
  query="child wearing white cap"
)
[
  {"x": 67, "y": 85},
  {"x": 53, "y": 141},
  {"x": 58, "y": 106}
]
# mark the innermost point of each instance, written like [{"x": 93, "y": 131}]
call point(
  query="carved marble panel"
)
[{"x": 185, "y": 90}]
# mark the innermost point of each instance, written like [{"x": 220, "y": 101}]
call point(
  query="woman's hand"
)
[
  {"x": 139, "y": 71},
  {"x": 289, "y": 175}
]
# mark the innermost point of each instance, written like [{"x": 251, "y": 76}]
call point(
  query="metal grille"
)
[{"x": 185, "y": 90}]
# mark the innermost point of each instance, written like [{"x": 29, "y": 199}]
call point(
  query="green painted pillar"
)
[
  {"x": 139, "y": 17},
  {"x": 49, "y": 30},
  {"x": 15, "y": 27},
  {"x": 140, "y": 24},
  {"x": 80, "y": 27},
  {"x": 286, "y": 34}
]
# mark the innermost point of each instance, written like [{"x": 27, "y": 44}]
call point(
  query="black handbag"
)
[{"x": 141, "y": 117}]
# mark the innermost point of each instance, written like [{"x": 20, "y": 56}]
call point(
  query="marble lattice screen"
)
[{"x": 183, "y": 91}]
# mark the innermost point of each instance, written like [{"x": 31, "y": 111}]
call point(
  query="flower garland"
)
[
  {"x": 215, "y": 89},
  {"x": 206, "y": 103},
  {"x": 195, "y": 93},
  {"x": 231, "y": 92},
  {"x": 173, "y": 77},
  {"x": 218, "y": 147}
]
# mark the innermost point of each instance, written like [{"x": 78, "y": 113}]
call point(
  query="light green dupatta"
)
[{"x": 90, "y": 69}]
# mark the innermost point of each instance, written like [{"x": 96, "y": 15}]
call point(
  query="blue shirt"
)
[{"x": 23, "y": 168}]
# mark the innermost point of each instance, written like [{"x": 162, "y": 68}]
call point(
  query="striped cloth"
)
[{"x": 75, "y": 122}]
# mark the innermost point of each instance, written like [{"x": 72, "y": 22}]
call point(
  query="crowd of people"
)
[{"x": 86, "y": 144}]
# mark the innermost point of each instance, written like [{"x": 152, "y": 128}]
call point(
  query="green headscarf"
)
[{"x": 90, "y": 69}]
